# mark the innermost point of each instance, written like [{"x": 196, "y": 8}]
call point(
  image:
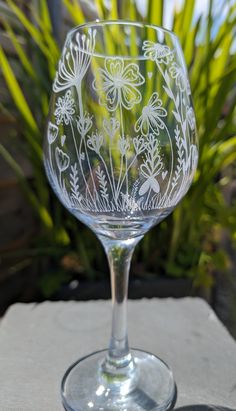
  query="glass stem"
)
[{"x": 119, "y": 364}]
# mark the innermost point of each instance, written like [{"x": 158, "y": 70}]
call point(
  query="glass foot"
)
[{"x": 84, "y": 388}]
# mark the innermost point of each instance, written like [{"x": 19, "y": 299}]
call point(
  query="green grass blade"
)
[
  {"x": 114, "y": 10},
  {"x": 32, "y": 30},
  {"x": 186, "y": 21},
  {"x": 75, "y": 11},
  {"x": 133, "y": 16},
  {"x": 155, "y": 12},
  {"x": 226, "y": 154},
  {"x": 20, "y": 51},
  {"x": 100, "y": 9},
  {"x": 45, "y": 15},
  {"x": 218, "y": 102},
  {"x": 133, "y": 13},
  {"x": 189, "y": 49},
  {"x": 48, "y": 38},
  {"x": 16, "y": 92},
  {"x": 38, "y": 207}
]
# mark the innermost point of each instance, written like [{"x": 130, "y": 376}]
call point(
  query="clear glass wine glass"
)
[{"x": 120, "y": 152}]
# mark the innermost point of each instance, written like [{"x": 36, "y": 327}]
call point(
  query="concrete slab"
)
[{"x": 39, "y": 342}]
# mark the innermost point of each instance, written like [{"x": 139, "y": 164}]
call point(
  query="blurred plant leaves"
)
[
  {"x": 187, "y": 243},
  {"x": 16, "y": 92}
]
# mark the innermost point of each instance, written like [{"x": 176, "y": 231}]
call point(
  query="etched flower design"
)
[
  {"x": 75, "y": 61},
  {"x": 111, "y": 126},
  {"x": 180, "y": 77},
  {"x": 152, "y": 116},
  {"x": 95, "y": 141},
  {"x": 62, "y": 159},
  {"x": 64, "y": 108},
  {"x": 124, "y": 145},
  {"x": 52, "y": 132},
  {"x": 151, "y": 182},
  {"x": 139, "y": 144},
  {"x": 157, "y": 52},
  {"x": 151, "y": 167},
  {"x": 117, "y": 84},
  {"x": 129, "y": 202},
  {"x": 190, "y": 117},
  {"x": 84, "y": 123},
  {"x": 190, "y": 164}
]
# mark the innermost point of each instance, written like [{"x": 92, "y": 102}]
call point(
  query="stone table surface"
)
[{"x": 39, "y": 341}]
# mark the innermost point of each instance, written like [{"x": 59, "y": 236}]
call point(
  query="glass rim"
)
[{"x": 96, "y": 23}]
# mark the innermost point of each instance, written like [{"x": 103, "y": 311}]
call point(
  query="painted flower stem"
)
[
  {"x": 107, "y": 172},
  {"x": 79, "y": 159},
  {"x": 126, "y": 175},
  {"x": 78, "y": 88},
  {"x": 173, "y": 97},
  {"x": 180, "y": 113},
  {"x": 148, "y": 195},
  {"x": 50, "y": 156},
  {"x": 122, "y": 156},
  {"x": 112, "y": 174},
  {"x": 128, "y": 168},
  {"x": 60, "y": 179},
  {"x": 172, "y": 163}
]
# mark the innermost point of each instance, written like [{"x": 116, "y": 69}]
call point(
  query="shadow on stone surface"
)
[{"x": 203, "y": 407}]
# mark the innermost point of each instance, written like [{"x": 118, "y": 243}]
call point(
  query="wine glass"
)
[{"x": 120, "y": 152}]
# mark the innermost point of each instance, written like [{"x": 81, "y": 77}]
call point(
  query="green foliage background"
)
[{"x": 185, "y": 244}]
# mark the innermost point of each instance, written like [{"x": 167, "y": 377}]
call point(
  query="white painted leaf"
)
[
  {"x": 177, "y": 116},
  {"x": 177, "y": 101},
  {"x": 144, "y": 188},
  {"x": 168, "y": 92}
]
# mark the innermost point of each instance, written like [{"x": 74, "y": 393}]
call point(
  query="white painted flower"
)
[
  {"x": 139, "y": 144},
  {"x": 95, "y": 141},
  {"x": 52, "y": 132},
  {"x": 180, "y": 77},
  {"x": 111, "y": 126},
  {"x": 157, "y": 52},
  {"x": 152, "y": 116},
  {"x": 84, "y": 123},
  {"x": 62, "y": 159},
  {"x": 74, "y": 61},
  {"x": 190, "y": 117},
  {"x": 123, "y": 145},
  {"x": 64, "y": 108},
  {"x": 117, "y": 84}
]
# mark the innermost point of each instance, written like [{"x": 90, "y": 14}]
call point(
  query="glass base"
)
[{"x": 84, "y": 388}]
